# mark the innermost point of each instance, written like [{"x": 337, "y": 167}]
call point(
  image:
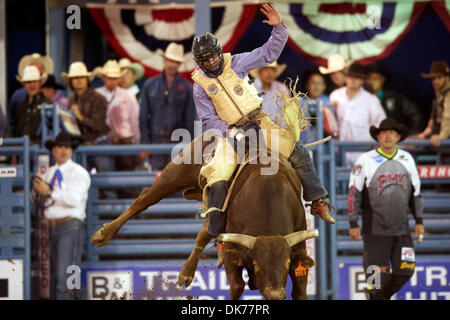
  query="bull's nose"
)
[{"x": 274, "y": 294}]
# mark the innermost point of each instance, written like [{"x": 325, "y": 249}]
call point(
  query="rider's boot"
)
[
  {"x": 321, "y": 208},
  {"x": 312, "y": 187}
]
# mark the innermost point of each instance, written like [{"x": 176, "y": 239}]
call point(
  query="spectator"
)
[
  {"x": 45, "y": 66},
  {"x": 166, "y": 105},
  {"x": 122, "y": 117},
  {"x": 395, "y": 104},
  {"x": 132, "y": 72},
  {"x": 384, "y": 184},
  {"x": 438, "y": 127},
  {"x": 123, "y": 109},
  {"x": 66, "y": 185},
  {"x": 88, "y": 105},
  {"x": 28, "y": 114},
  {"x": 335, "y": 71},
  {"x": 265, "y": 81},
  {"x": 49, "y": 90},
  {"x": 356, "y": 109},
  {"x": 314, "y": 86}
]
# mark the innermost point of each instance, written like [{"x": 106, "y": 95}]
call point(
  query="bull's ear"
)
[
  {"x": 299, "y": 236},
  {"x": 242, "y": 239}
]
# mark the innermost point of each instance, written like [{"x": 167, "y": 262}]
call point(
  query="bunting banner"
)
[
  {"x": 137, "y": 33},
  {"x": 363, "y": 32},
  {"x": 360, "y": 31}
]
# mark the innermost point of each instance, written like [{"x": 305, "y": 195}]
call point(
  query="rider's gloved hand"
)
[{"x": 236, "y": 133}]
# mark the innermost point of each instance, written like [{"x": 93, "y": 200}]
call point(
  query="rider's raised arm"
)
[{"x": 266, "y": 54}]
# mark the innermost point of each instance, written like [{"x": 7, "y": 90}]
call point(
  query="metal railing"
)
[{"x": 15, "y": 235}]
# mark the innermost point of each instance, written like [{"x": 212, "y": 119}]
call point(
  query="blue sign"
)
[
  {"x": 431, "y": 281},
  {"x": 157, "y": 282}
]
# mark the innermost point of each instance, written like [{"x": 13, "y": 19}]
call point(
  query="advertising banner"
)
[{"x": 431, "y": 281}]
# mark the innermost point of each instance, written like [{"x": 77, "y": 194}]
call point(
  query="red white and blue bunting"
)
[
  {"x": 360, "y": 32},
  {"x": 138, "y": 33},
  {"x": 363, "y": 32}
]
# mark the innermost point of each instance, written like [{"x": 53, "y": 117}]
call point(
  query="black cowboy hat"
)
[
  {"x": 51, "y": 83},
  {"x": 377, "y": 68},
  {"x": 389, "y": 124},
  {"x": 355, "y": 70},
  {"x": 62, "y": 139}
]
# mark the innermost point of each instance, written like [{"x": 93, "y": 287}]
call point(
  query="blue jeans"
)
[
  {"x": 304, "y": 167},
  {"x": 66, "y": 243}
]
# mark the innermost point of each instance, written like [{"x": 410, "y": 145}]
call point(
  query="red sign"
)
[{"x": 429, "y": 172}]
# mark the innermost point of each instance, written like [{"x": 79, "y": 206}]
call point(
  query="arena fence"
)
[
  {"x": 167, "y": 230},
  {"x": 15, "y": 218}
]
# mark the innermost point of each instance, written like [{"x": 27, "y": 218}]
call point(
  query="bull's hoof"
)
[
  {"x": 184, "y": 280},
  {"x": 186, "y": 276}
]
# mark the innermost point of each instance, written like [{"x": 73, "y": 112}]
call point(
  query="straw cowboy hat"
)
[
  {"x": 31, "y": 73},
  {"x": 173, "y": 52},
  {"x": 46, "y": 61},
  {"x": 63, "y": 139},
  {"x": 336, "y": 63},
  {"x": 279, "y": 68},
  {"x": 389, "y": 124},
  {"x": 438, "y": 68},
  {"x": 110, "y": 69},
  {"x": 76, "y": 69},
  {"x": 137, "y": 68}
]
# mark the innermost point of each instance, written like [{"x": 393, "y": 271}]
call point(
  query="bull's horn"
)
[
  {"x": 299, "y": 236},
  {"x": 242, "y": 239}
]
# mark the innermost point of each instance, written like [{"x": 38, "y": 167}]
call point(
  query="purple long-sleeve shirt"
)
[{"x": 241, "y": 64}]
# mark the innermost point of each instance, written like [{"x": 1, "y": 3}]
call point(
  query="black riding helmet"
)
[{"x": 204, "y": 47}]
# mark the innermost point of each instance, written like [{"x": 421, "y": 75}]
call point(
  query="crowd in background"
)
[{"x": 352, "y": 96}]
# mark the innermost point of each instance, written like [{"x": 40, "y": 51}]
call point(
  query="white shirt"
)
[
  {"x": 355, "y": 117},
  {"x": 366, "y": 171},
  {"x": 70, "y": 198}
]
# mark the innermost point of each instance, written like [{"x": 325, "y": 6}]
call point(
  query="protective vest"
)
[{"x": 233, "y": 98}]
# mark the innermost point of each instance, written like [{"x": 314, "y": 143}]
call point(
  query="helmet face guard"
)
[{"x": 205, "y": 47}]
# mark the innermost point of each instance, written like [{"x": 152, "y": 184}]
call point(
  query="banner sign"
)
[
  {"x": 432, "y": 172},
  {"x": 431, "y": 281},
  {"x": 158, "y": 282}
]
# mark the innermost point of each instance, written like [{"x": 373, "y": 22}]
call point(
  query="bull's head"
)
[{"x": 270, "y": 258}]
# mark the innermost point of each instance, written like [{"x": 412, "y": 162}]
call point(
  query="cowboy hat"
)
[
  {"x": 46, "y": 61},
  {"x": 438, "y": 68},
  {"x": 76, "y": 69},
  {"x": 335, "y": 63},
  {"x": 389, "y": 124},
  {"x": 110, "y": 69},
  {"x": 31, "y": 73},
  {"x": 62, "y": 139},
  {"x": 355, "y": 70},
  {"x": 51, "y": 83},
  {"x": 377, "y": 68},
  {"x": 173, "y": 52},
  {"x": 137, "y": 68},
  {"x": 279, "y": 68}
]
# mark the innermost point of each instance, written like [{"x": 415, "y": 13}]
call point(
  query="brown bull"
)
[{"x": 262, "y": 236}]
